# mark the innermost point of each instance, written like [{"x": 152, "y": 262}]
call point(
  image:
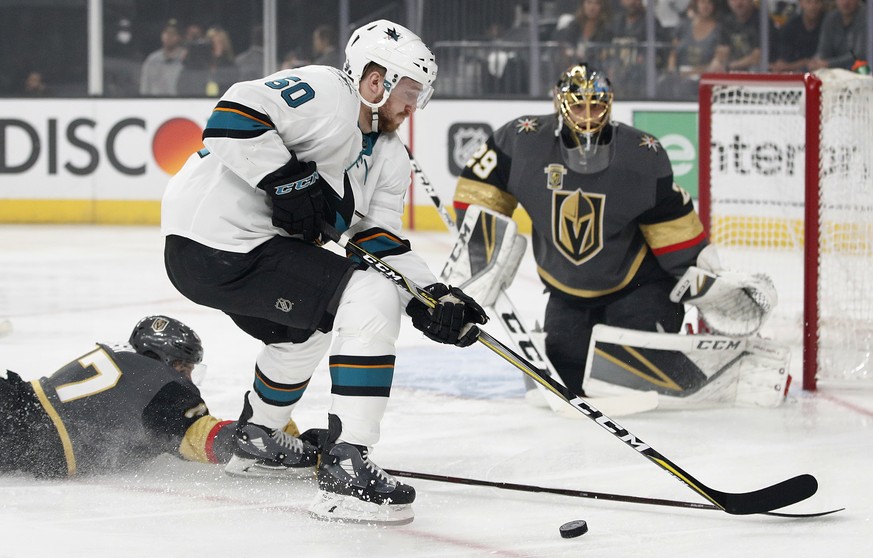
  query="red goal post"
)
[{"x": 786, "y": 188}]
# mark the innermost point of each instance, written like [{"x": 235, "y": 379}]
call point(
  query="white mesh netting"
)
[{"x": 757, "y": 210}]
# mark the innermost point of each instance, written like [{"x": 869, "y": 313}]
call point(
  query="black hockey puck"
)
[{"x": 573, "y": 529}]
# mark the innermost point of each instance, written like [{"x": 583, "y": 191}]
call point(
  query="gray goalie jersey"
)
[
  {"x": 597, "y": 234},
  {"x": 112, "y": 408}
]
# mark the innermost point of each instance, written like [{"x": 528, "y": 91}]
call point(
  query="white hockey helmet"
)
[{"x": 394, "y": 47}]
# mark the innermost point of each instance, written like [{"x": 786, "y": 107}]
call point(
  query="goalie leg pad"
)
[
  {"x": 486, "y": 255},
  {"x": 763, "y": 376},
  {"x": 688, "y": 371}
]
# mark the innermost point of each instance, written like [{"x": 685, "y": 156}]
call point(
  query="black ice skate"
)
[
  {"x": 352, "y": 488},
  {"x": 269, "y": 452}
]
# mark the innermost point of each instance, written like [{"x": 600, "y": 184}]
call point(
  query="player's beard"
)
[{"x": 390, "y": 121}]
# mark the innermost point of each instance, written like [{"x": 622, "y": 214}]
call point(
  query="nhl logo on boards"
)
[{"x": 464, "y": 139}]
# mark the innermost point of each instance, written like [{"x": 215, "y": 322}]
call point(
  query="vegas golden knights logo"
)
[
  {"x": 159, "y": 325},
  {"x": 577, "y": 224},
  {"x": 555, "y": 174}
]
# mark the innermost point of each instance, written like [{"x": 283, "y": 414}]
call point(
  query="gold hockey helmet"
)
[{"x": 583, "y": 98}]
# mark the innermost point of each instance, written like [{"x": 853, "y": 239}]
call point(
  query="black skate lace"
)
[{"x": 288, "y": 441}]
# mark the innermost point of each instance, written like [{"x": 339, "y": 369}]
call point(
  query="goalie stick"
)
[
  {"x": 510, "y": 319},
  {"x": 582, "y": 493},
  {"x": 773, "y": 497}
]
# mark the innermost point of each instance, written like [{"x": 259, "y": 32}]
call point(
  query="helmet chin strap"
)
[{"x": 374, "y": 107}]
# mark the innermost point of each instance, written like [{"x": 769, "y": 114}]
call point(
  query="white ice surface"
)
[{"x": 452, "y": 411}]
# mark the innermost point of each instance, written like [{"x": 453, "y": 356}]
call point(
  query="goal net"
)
[{"x": 786, "y": 187}]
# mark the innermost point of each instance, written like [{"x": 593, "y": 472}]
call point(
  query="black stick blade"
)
[
  {"x": 773, "y": 497},
  {"x": 804, "y": 515}
]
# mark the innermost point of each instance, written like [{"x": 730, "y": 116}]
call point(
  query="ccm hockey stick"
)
[
  {"x": 579, "y": 493},
  {"x": 510, "y": 319},
  {"x": 766, "y": 499}
]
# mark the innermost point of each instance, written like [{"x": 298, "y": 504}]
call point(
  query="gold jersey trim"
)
[
  {"x": 59, "y": 426},
  {"x": 658, "y": 376},
  {"x": 472, "y": 192},
  {"x": 586, "y": 293},
  {"x": 193, "y": 445},
  {"x": 672, "y": 232}
]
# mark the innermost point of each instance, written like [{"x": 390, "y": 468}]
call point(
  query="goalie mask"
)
[
  {"x": 397, "y": 49},
  {"x": 169, "y": 341},
  {"x": 583, "y": 101}
]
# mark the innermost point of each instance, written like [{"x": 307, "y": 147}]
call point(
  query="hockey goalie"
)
[
  {"x": 612, "y": 233},
  {"x": 727, "y": 365}
]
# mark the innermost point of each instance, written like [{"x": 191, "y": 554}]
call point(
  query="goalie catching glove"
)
[
  {"x": 730, "y": 303},
  {"x": 452, "y": 320},
  {"x": 296, "y": 190}
]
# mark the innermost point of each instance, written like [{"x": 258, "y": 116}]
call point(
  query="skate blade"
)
[
  {"x": 348, "y": 509},
  {"x": 251, "y": 468}
]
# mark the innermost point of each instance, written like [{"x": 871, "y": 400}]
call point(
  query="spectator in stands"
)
[
  {"x": 161, "y": 69},
  {"x": 122, "y": 60},
  {"x": 587, "y": 35},
  {"x": 34, "y": 85},
  {"x": 694, "y": 50},
  {"x": 324, "y": 50},
  {"x": 630, "y": 22},
  {"x": 210, "y": 67},
  {"x": 222, "y": 67},
  {"x": 194, "y": 32},
  {"x": 798, "y": 38},
  {"x": 671, "y": 13},
  {"x": 740, "y": 50},
  {"x": 293, "y": 59},
  {"x": 250, "y": 63},
  {"x": 627, "y": 57},
  {"x": 843, "y": 36},
  {"x": 195, "y": 70}
]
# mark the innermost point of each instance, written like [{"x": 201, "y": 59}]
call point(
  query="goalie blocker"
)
[
  {"x": 687, "y": 371},
  {"x": 486, "y": 255}
]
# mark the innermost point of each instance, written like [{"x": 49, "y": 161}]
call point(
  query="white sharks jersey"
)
[
  {"x": 313, "y": 111},
  {"x": 385, "y": 173},
  {"x": 214, "y": 198}
]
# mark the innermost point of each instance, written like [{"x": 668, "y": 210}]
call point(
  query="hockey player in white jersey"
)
[{"x": 243, "y": 222}]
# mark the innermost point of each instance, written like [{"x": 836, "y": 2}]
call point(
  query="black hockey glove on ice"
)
[
  {"x": 452, "y": 320},
  {"x": 296, "y": 190}
]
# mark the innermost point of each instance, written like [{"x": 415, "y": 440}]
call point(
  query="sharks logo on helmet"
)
[{"x": 397, "y": 49}]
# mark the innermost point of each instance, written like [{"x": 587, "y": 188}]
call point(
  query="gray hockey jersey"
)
[{"x": 595, "y": 234}]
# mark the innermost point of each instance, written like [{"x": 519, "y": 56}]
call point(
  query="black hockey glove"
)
[
  {"x": 296, "y": 190},
  {"x": 452, "y": 321}
]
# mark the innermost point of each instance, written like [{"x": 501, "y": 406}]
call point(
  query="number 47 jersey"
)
[{"x": 112, "y": 408}]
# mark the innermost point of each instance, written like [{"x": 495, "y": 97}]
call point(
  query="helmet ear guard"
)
[
  {"x": 583, "y": 97},
  {"x": 167, "y": 339},
  {"x": 397, "y": 49}
]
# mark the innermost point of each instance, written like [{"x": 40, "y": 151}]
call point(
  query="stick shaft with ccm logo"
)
[{"x": 764, "y": 500}]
